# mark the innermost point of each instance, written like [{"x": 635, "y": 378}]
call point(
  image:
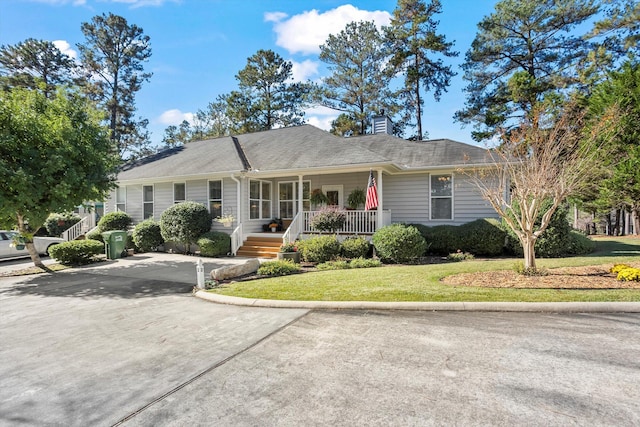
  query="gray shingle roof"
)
[{"x": 299, "y": 147}]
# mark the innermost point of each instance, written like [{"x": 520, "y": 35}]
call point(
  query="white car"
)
[{"x": 9, "y": 250}]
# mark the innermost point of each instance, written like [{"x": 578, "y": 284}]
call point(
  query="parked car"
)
[{"x": 9, "y": 250}]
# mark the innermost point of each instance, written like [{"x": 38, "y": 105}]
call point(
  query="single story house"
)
[{"x": 260, "y": 176}]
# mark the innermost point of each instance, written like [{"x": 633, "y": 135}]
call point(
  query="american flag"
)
[{"x": 372, "y": 193}]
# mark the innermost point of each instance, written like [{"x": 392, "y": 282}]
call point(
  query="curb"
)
[{"x": 550, "y": 307}]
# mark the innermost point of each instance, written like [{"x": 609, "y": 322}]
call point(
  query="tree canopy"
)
[
  {"x": 36, "y": 64},
  {"x": 359, "y": 84},
  {"x": 54, "y": 155},
  {"x": 524, "y": 53},
  {"x": 114, "y": 54},
  {"x": 417, "y": 54}
]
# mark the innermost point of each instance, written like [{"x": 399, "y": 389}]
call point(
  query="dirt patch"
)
[{"x": 590, "y": 277}]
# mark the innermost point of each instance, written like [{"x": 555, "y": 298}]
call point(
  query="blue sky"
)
[{"x": 198, "y": 46}]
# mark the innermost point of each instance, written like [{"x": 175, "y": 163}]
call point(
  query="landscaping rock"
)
[{"x": 228, "y": 272}]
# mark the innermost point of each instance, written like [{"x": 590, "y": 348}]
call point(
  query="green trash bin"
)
[{"x": 115, "y": 242}]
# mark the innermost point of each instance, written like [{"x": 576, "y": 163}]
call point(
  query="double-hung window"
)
[
  {"x": 441, "y": 201},
  {"x": 259, "y": 199},
  {"x": 288, "y": 198},
  {"x": 121, "y": 199},
  {"x": 147, "y": 201},
  {"x": 179, "y": 192},
  {"x": 215, "y": 198}
]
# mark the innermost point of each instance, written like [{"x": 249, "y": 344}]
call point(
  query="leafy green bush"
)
[
  {"x": 355, "y": 247},
  {"x": 556, "y": 241},
  {"x": 95, "y": 235},
  {"x": 146, "y": 235},
  {"x": 114, "y": 221},
  {"x": 57, "y": 223},
  {"x": 459, "y": 256},
  {"x": 76, "y": 252},
  {"x": 214, "y": 243},
  {"x": 319, "y": 248},
  {"x": 399, "y": 243},
  {"x": 580, "y": 244},
  {"x": 441, "y": 239},
  {"x": 278, "y": 268},
  {"x": 329, "y": 218},
  {"x": 482, "y": 237},
  {"x": 364, "y": 263},
  {"x": 184, "y": 223}
]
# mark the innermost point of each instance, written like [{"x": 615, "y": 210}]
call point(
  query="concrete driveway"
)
[
  {"x": 93, "y": 345},
  {"x": 104, "y": 345}
]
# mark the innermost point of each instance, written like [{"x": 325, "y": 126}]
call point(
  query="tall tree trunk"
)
[
  {"x": 418, "y": 106},
  {"x": 528, "y": 246},
  {"x": 616, "y": 225},
  {"x": 635, "y": 212},
  {"x": 22, "y": 229}
]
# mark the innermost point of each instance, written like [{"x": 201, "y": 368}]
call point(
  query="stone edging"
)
[{"x": 551, "y": 307}]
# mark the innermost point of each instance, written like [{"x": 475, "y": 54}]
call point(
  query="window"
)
[
  {"x": 147, "y": 201},
  {"x": 441, "y": 197},
  {"x": 121, "y": 199},
  {"x": 215, "y": 198},
  {"x": 179, "y": 192},
  {"x": 259, "y": 199},
  {"x": 288, "y": 198}
]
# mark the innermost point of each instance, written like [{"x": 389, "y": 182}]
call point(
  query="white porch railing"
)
[
  {"x": 357, "y": 222},
  {"x": 294, "y": 230},
  {"x": 85, "y": 225},
  {"x": 237, "y": 238}
]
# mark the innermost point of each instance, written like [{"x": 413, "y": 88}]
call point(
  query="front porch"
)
[{"x": 266, "y": 245}]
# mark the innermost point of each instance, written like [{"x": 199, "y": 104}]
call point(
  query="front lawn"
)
[{"x": 422, "y": 282}]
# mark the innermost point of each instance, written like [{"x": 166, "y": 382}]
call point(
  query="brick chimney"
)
[{"x": 381, "y": 124}]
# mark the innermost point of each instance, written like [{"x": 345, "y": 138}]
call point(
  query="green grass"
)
[{"x": 422, "y": 282}]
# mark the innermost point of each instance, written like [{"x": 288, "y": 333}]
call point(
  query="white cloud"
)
[
  {"x": 174, "y": 117},
  {"x": 303, "y": 71},
  {"x": 304, "y": 33},
  {"x": 65, "y": 48},
  {"x": 321, "y": 117}
]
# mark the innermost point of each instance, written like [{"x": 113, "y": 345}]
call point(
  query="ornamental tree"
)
[{"x": 54, "y": 155}]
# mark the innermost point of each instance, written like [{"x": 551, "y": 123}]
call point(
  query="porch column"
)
[
  {"x": 300, "y": 205},
  {"x": 380, "y": 220}
]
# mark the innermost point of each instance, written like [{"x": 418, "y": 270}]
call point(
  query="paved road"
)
[{"x": 102, "y": 345}]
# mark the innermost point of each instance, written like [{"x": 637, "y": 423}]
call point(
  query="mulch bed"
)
[{"x": 591, "y": 277}]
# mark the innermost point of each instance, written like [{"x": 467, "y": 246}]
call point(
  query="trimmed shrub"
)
[
  {"x": 184, "y": 223},
  {"x": 580, "y": 244},
  {"x": 441, "y": 239},
  {"x": 355, "y": 247},
  {"x": 146, "y": 235},
  {"x": 329, "y": 218},
  {"x": 319, "y": 249},
  {"x": 114, "y": 221},
  {"x": 278, "y": 268},
  {"x": 399, "y": 243},
  {"x": 214, "y": 243},
  {"x": 95, "y": 235},
  {"x": 76, "y": 252},
  {"x": 482, "y": 237},
  {"x": 364, "y": 263},
  {"x": 57, "y": 223}
]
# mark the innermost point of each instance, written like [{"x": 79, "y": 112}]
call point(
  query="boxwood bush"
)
[
  {"x": 441, "y": 239},
  {"x": 399, "y": 243},
  {"x": 355, "y": 247},
  {"x": 95, "y": 235},
  {"x": 184, "y": 223},
  {"x": 76, "y": 252},
  {"x": 278, "y": 268},
  {"x": 214, "y": 243},
  {"x": 146, "y": 235},
  {"x": 114, "y": 221},
  {"x": 482, "y": 237},
  {"x": 57, "y": 223},
  {"x": 319, "y": 249}
]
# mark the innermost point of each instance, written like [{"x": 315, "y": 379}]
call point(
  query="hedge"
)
[
  {"x": 398, "y": 243},
  {"x": 76, "y": 252},
  {"x": 214, "y": 243}
]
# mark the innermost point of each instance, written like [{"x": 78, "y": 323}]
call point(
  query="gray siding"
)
[
  {"x": 468, "y": 202},
  {"x": 197, "y": 191},
  {"x": 163, "y": 198},
  {"x": 134, "y": 202}
]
